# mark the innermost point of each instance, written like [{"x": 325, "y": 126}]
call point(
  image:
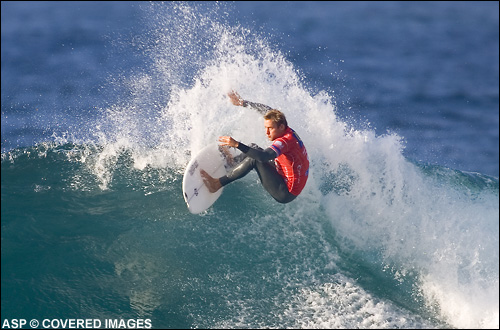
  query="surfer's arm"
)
[
  {"x": 259, "y": 107},
  {"x": 257, "y": 154},
  {"x": 238, "y": 101}
]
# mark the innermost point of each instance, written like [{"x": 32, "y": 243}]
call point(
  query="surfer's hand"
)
[
  {"x": 235, "y": 98},
  {"x": 228, "y": 141}
]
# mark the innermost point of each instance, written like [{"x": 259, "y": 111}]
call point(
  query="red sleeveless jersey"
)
[{"x": 292, "y": 162}]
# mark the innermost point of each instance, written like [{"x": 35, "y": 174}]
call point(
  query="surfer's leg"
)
[
  {"x": 244, "y": 165},
  {"x": 273, "y": 182},
  {"x": 242, "y": 169}
]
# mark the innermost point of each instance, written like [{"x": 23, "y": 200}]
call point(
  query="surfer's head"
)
[
  {"x": 276, "y": 116},
  {"x": 275, "y": 124}
]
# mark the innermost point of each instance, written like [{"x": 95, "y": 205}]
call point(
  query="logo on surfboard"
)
[{"x": 193, "y": 168}]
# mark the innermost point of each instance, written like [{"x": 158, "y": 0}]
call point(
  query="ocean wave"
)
[{"x": 374, "y": 240}]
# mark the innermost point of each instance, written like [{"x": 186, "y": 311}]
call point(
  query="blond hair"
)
[{"x": 276, "y": 116}]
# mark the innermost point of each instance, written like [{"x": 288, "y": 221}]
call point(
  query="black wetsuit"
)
[{"x": 262, "y": 161}]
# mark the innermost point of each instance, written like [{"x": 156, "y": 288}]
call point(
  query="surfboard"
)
[{"x": 196, "y": 194}]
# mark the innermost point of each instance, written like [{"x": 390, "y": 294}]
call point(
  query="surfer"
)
[{"x": 283, "y": 168}]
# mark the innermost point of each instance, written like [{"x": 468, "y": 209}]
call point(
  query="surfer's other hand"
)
[
  {"x": 228, "y": 141},
  {"x": 235, "y": 98}
]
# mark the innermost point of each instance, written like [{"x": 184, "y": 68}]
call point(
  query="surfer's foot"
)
[{"x": 212, "y": 184}]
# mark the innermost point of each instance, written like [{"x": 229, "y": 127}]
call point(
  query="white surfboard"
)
[{"x": 196, "y": 194}]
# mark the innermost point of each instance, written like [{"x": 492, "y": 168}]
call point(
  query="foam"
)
[{"x": 344, "y": 304}]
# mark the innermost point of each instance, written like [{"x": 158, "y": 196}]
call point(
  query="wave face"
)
[{"x": 94, "y": 222}]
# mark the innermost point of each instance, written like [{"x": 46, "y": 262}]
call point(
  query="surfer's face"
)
[{"x": 273, "y": 131}]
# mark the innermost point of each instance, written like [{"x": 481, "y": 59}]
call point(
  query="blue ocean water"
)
[{"x": 104, "y": 102}]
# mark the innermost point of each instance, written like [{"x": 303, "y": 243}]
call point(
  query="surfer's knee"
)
[{"x": 285, "y": 198}]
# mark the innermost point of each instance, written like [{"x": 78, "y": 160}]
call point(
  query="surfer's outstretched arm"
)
[
  {"x": 259, "y": 154},
  {"x": 256, "y": 153},
  {"x": 238, "y": 101},
  {"x": 259, "y": 107}
]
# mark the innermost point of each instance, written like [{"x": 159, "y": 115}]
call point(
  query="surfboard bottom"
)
[{"x": 196, "y": 194}]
